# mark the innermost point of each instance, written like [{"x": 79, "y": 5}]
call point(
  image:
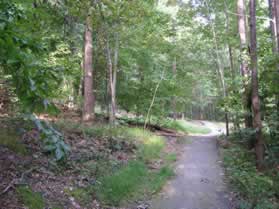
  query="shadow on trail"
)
[{"x": 199, "y": 181}]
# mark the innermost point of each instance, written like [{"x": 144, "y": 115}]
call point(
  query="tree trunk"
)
[
  {"x": 174, "y": 68},
  {"x": 272, "y": 22},
  {"x": 231, "y": 67},
  {"x": 88, "y": 104},
  {"x": 222, "y": 79},
  {"x": 276, "y": 32},
  {"x": 244, "y": 66},
  {"x": 220, "y": 68},
  {"x": 228, "y": 41},
  {"x": 174, "y": 97},
  {"x": 114, "y": 75},
  {"x": 257, "y": 122},
  {"x": 276, "y": 22},
  {"x": 112, "y": 68},
  {"x": 110, "y": 84}
]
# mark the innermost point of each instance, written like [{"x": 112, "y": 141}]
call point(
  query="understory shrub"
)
[{"x": 257, "y": 190}]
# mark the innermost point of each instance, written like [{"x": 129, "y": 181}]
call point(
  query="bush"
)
[
  {"x": 255, "y": 188},
  {"x": 244, "y": 137}
]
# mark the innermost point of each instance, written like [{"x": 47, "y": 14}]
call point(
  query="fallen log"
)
[
  {"x": 153, "y": 127},
  {"x": 170, "y": 134}
]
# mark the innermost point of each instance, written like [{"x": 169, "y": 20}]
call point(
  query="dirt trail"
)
[{"x": 199, "y": 183}]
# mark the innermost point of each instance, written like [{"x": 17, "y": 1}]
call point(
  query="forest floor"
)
[
  {"x": 108, "y": 166},
  {"x": 199, "y": 181}
]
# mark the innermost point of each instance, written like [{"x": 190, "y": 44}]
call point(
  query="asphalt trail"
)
[{"x": 199, "y": 181}]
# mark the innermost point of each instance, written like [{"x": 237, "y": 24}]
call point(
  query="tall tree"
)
[
  {"x": 257, "y": 122},
  {"x": 220, "y": 66},
  {"x": 227, "y": 25},
  {"x": 88, "y": 104},
  {"x": 272, "y": 16},
  {"x": 174, "y": 67},
  {"x": 276, "y": 21},
  {"x": 244, "y": 67},
  {"x": 111, "y": 89},
  {"x": 114, "y": 75},
  {"x": 111, "y": 73},
  {"x": 275, "y": 12}
]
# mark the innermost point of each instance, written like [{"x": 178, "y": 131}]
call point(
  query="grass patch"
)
[
  {"x": 150, "y": 146},
  {"x": 171, "y": 157},
  {"x": 132, "y": 181},
  {"x": 12, "y": 142},
  {"x": 158, "y": 180},
  {"x": 30, "y": 199},
  {"x": 188, "y": 127},
  {"x": 101, "y": 167},
  {"x": 123, "y": 183},
  {"x": 117, "y": 183}
]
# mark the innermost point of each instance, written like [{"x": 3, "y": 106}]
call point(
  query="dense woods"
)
[{"x": 214, "y": 60}]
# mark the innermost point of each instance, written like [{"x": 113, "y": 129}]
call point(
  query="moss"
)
[{"x": 30, "y": 199}]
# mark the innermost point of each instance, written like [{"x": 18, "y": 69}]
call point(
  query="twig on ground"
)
[
  {"x": 10, "y": 185},
  {"x": 17, "y": 181}
]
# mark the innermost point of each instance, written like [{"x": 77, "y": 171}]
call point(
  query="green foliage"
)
[
  {"x": 257, "y": 189},
  {"x": 244, "y": 136},
  {"x": 30, "y": 199},
  {"x": 23, "y": 58},
  {"x": 41, "y": 51},
  {"x": 35, "y": 55},
  {"x": 53, "y": 140}
]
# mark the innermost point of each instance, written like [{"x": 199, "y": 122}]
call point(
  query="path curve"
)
[{"x": 199, "y": 181}]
